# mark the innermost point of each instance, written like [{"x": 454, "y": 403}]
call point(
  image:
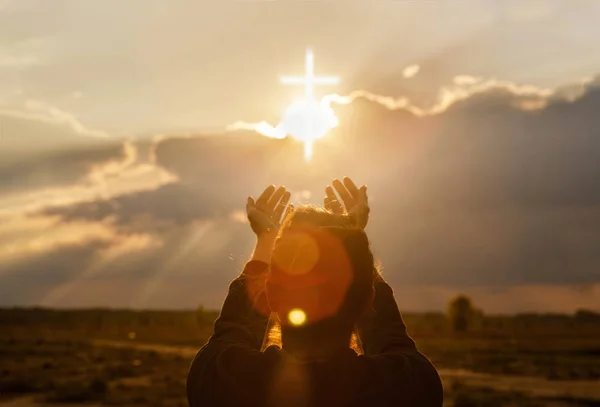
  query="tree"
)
[
  {"x": 461, "y": 313},
  {"x": 585, "y": 315}
]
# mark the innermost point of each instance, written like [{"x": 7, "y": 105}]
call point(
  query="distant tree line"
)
[{"x": 463, "y": 316}]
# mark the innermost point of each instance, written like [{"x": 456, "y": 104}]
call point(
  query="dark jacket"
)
[{"x": 231, "y": 370}]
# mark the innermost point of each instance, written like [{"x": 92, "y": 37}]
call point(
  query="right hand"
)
[{"x": 355, "y": 201}]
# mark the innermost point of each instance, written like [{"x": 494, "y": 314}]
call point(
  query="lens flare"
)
[{"x": 297, "y": 317}]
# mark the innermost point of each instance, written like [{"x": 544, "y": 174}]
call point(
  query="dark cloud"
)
[
  {"x": 44, "y": 128},
  {"x": 485, "y": 194},
  {"x": 168, "y": 205},
  {"x": 123, "y": 269},
  {"x": 51, "y": 169},
  {"x": 25, "y": 281},
  {"x": 219, "y": 160},
  {"x": 482, "y": 151},
  {"x": 39, "y": 152},
  {"x": 494, "y": 248}
]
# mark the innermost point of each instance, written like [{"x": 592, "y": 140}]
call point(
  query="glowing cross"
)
[
  {"x": 308, "y": 119},
  {"x": 309, "y": 80}
]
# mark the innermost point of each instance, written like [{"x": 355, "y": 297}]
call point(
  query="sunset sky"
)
[{"x": 475, "y": 124}]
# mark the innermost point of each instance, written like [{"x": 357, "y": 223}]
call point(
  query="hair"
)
[{"x": 357, "y": 248}]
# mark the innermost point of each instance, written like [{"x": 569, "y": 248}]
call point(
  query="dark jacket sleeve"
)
[
  {"x": 385, "y": 339},
  {"x": 238, "y": 332}
]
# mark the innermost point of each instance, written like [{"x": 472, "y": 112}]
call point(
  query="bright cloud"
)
[
  {"x": 463, "y": 87},
  {"x": 411, "y": 71}
]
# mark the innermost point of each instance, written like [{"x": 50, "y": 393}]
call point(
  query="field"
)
[{"x": 129, "y": 358}]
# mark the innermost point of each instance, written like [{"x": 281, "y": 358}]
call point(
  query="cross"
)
[{"x": 309, "y": 80}]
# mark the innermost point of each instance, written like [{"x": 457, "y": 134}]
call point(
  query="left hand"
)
[{"x": 266, "y": 213}]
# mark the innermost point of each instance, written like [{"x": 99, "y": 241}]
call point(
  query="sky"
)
[{"x": 474, "y": 123}]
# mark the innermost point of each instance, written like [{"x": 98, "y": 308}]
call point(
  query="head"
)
[{"x": 321, "y": 279}]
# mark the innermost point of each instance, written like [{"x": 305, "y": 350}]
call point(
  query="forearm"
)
[
  {"x": 244, "y": 314},
  {"x": 384, "y": 328},
  {"x": 241, "y": 325}
]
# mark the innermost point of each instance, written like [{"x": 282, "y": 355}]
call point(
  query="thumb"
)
[
  {"x": 249, "y": 204},
  {"x": 363, "y": 193}
]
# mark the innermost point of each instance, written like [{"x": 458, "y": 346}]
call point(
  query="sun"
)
[{"x": 308, "y": 120}]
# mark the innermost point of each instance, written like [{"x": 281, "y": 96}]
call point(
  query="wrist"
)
[
  {"x": 268, "y": 236},
  {"x": 264, "y": 246}
]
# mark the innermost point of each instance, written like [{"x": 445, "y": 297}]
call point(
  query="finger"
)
[
  {"x": 351, "y": 187},
  {"x": 363, "y": 193},
  {"x": 288, "y": 212},
  {"x": 344, "y": 194},
  {"x": 285, "y": 199},
  {"x": 262, "y": 200},
  {"x": 274, "y": 200},
  {"x": 335, "y": 205},
  {"x": 249, "y": 204},
  {"x": 327, "y": 203},
  {"x": 363, "y": 206},
  {"x": 332, "y": 200}
]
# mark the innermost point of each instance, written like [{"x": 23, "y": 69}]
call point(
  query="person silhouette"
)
[{"x": 313, "y": 269}]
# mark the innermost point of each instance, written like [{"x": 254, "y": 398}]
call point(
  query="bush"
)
[
  {"x": 16, "y": 385},
  {"x": 467, "y": 396},
  {"x": 79, "y": 391}
]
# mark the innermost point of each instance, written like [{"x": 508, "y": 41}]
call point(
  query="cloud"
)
[
  {"x": 462, "y": 80},
  {"x": 45, "y": 112},
  {"x": 61, "y": 167},
  {"x": 484, "y": 196},
  {"x": 102, "y": 184},
  {"x": 25, "y": 53},
  {"x": 469, "y": 247},
  {"x": 25, "y": 238},
  {"x": 150, "y": 210},
  {"x": 464, "y": 87},
  {"x": 486, "y": 149},
  {"x": 529, "y": 11},
  {"x": 48, "y": 157},
  {"x": 263, "y": 128},
  {"x": 26, "y": 280},
  {"x": 525, "y": 175},
  {"x": 13, "y": 61},
  {"x": 411, "y": 71},
  {"x": 41, "y": 128},
  {"x": 77, "y": 269},
  {"x": 192, "y": 263}
]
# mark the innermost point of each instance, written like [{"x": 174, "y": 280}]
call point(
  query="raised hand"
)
[
  {"x": 354, "y": 201},
  {"x": 266, "y": 213}
]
